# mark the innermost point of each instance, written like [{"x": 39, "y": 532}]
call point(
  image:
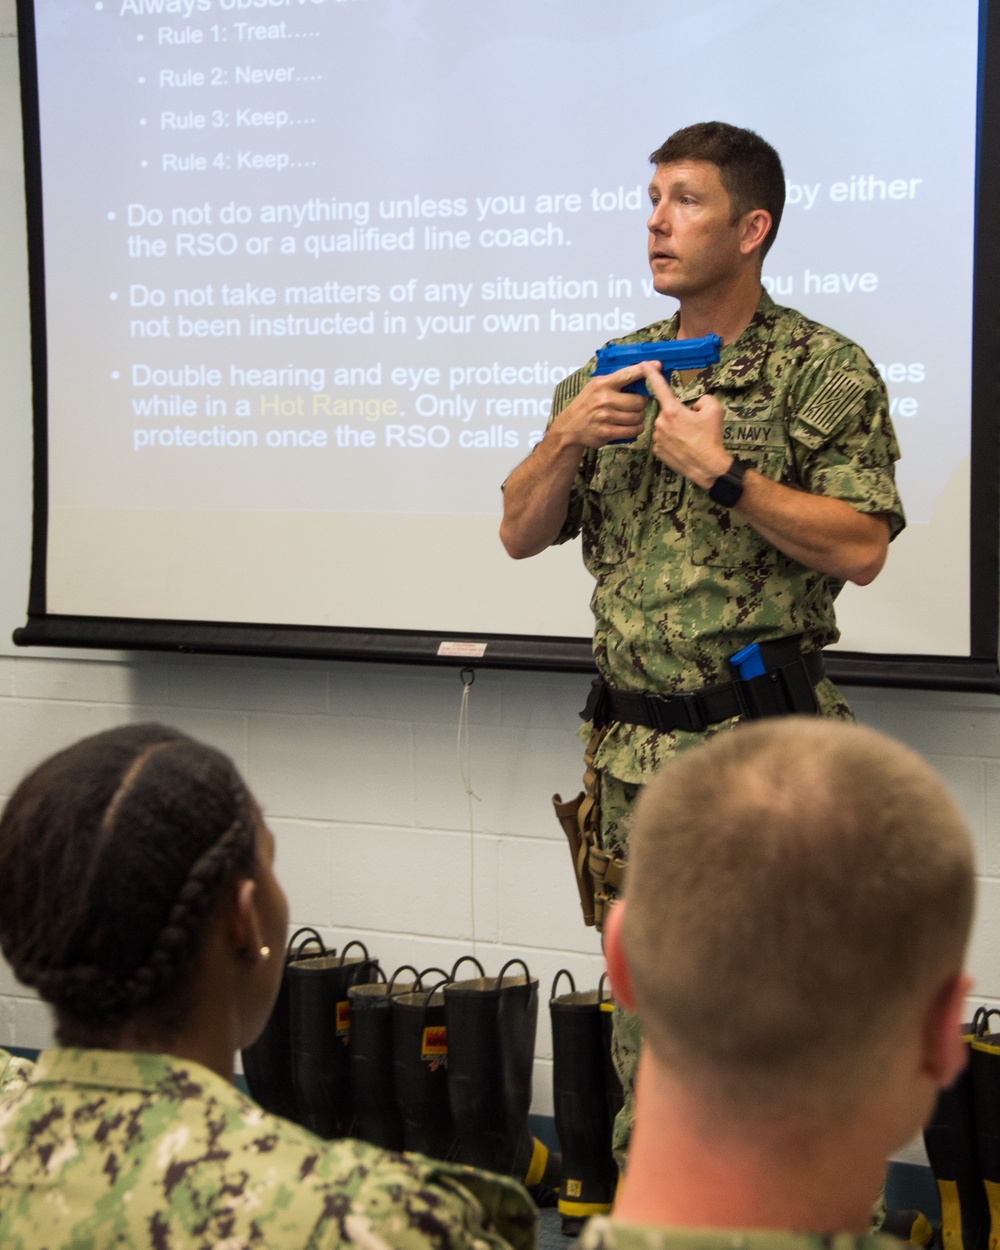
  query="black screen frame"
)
[{"x": 978, "y": 671}]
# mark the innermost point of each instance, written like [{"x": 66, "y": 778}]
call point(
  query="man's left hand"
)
[
  {"x": 689, "y": 439},
  {"x": 822, "y": 533}
]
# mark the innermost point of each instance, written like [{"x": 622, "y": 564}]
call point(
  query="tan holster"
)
[{"x": 598, "y": 873}]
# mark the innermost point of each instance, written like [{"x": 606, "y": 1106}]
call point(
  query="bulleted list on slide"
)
[{"x": 339, "y": 253}]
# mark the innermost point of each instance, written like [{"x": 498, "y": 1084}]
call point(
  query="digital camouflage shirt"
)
[
  {"x": 14, "y": 1073},
  {"x": 604, "y": 1233},
  {"x": 113, "y": 1149},
  {"x": 683, "y": 583}
]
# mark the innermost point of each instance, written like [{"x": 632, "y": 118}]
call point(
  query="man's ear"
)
[
  {"x": 756, "y": 227},
  {"x": 944, "y": 1051},
  {"x": 614, "y": 957}
]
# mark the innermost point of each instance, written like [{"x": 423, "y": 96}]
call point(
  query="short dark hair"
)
[
  {"x": 750, "y": 169},
  {"x": 113, "y": 855}
]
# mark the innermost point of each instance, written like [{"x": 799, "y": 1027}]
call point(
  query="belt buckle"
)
[{"x": 657, "y": 707}]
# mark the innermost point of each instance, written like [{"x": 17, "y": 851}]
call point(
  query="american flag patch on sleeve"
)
[{"x": 833, "y": 403}]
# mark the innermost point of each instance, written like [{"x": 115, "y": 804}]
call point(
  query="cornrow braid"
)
[
  {"x": 193, "y": 903},
  {"x": 105, "y": 829},
  {"x": 113, "y": 854}
]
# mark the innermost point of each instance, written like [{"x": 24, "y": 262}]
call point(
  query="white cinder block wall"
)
[{"x": 357, "y": 769}]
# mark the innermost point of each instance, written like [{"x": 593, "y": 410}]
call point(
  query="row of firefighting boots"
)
[
  {"x": 420, "y": 1061},
  {"x": 963, "y": 1145}
]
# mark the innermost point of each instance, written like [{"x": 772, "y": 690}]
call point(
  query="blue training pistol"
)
[{"x": 672, "y": 354}]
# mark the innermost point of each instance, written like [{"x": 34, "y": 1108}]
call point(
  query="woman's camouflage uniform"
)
[
  {"x": 107, "y": 1148},
  {"x": 14, "y": 1073}
]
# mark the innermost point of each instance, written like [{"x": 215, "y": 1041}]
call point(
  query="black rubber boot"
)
[
  {"x": 267, "y": 1064},
  {"x": 986, "y": 1093},
  {"x": 491, "y": 1053},
  {"x": 420, "y": 1064},
  {"x": 579, "y": 1078},
  {"x": 950, "y": 1138},
  {"x": 320, "y": 1030},
  {"x": 376, "y": 1115}
]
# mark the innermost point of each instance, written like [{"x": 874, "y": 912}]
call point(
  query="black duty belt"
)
[{"x": 785, "y": 687}]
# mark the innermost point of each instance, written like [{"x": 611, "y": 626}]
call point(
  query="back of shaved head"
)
[{"x": 794, "y": 887}]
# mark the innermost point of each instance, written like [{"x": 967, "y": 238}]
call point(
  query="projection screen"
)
[{"x": 305, "y": 274}]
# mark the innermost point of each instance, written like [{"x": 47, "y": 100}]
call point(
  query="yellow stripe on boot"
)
[
  {"x": 951, "y": 1216},
  {"x": 539, "y": 1160}
]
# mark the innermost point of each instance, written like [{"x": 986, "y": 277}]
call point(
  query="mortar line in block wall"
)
[{"x": 349, "y": 932}]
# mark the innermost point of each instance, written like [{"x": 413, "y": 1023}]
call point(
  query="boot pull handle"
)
[
  {"x": 509, "y": 964},
  {"x": 563, "y": 972},
  {"x": 981, "y": 1020},
  {"x": 600, "y": 989},
  {"x": 439, "y": 971},
  {"x": 356, "y": 942},
  {"x": 401, "y": 968},
  {"x": 466, "y": 959},
  {"x": 313, "y": 940},
  {"x": 434, "y": 989}
]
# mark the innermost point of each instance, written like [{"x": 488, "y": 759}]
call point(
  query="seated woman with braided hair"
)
[{"x": 137, "y": 895}]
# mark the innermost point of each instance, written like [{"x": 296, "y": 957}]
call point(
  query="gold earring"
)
[{"x": 265, "y": 954}]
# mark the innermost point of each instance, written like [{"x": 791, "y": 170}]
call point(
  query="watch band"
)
[{"x": 727, "y": 488}]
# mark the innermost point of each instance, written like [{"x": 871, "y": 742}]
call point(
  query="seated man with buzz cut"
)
[{"x": 796, "y": 911}]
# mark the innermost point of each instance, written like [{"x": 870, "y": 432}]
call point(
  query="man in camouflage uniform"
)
[
  {"x": 726, "y": 511},
  {"x": 792, "y": 935},
  {"x": 108, "y": 1148}
]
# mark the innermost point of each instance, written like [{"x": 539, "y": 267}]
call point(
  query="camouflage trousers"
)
[{"x": 616, "y": 800}]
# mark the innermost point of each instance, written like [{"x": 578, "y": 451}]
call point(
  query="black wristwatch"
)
[{"x": 727, "y": 489}]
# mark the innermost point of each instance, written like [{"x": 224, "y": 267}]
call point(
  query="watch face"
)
[{"x": 727, "y": 489}]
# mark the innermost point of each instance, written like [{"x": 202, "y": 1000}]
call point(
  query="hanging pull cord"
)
[{"x": 464, "y": 748}]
